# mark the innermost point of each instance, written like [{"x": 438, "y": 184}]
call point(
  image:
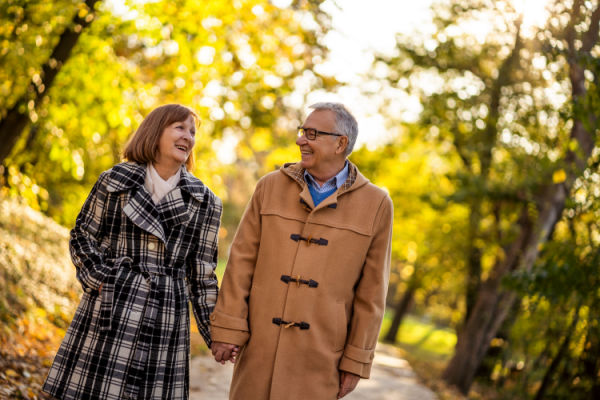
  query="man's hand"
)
[
  {"x": 224, "y": 352},
  {"x": 348, "y": 382}
]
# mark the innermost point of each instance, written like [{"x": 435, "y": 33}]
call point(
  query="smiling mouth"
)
[{"x": 182, "y": 148}]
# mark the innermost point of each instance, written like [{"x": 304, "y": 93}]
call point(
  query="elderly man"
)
[{"x": 304, "y": 289}]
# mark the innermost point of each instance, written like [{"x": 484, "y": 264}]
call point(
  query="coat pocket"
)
[{"x": 341, "y": 326}]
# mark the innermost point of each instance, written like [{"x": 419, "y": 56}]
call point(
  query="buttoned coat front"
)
[
  {"x": 131, "y": 338},
  {"x": 304, "y": 288}
]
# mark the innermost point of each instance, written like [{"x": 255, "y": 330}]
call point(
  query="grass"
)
[
  {"x": 422, "y": 338},
  {"x": 427, "y": 347}
]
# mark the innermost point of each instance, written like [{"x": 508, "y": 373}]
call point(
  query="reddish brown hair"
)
[{"x": 143, "y": 145}]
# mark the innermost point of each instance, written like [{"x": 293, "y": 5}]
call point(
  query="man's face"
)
[{"x": 319, "y": 154}]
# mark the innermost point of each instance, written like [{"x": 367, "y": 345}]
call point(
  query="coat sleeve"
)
[
  {"x": 86, "y": 238},
  {"x": 369, "y": 297},
  {"x": 202, "y": 280},
  {"x": 229, "y": 322}
]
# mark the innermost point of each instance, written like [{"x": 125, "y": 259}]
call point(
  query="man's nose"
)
[{"x": 300, "y": 140}]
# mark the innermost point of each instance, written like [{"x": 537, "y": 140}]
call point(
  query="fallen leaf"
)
[{"x": 11, "y": 372}]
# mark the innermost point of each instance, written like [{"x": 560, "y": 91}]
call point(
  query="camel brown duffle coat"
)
[{"x": 304, "y": 289}]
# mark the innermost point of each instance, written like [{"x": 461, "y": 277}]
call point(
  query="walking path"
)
[{"x": 391, "y": 379}]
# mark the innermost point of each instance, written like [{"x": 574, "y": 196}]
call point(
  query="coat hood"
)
[{"x": 354, "y": 181}]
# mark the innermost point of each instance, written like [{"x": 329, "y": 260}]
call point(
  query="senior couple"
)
[{"x": 303, "y": 295}]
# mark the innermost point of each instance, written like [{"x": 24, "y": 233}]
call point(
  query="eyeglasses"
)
[{"x": 311, "y": 133}]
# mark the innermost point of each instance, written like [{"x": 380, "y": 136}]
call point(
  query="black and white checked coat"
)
[{"x": 130, "y": 340}]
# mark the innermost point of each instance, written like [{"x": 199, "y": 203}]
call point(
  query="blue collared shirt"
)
[{"x": 333, "y": 183}]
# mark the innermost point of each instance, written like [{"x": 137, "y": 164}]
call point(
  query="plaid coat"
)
[{"x": 130, "y": 340}]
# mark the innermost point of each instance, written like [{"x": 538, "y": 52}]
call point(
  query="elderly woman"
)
[{"x": 145, "y": 240}]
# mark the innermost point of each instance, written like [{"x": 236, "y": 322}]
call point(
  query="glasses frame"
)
[{"x": 304, "y": 131}]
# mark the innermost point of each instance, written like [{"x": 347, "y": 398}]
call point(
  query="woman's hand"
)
[{"x": 224, "y": 352}]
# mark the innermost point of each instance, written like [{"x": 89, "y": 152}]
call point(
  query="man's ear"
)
[{"x": 342, "y": 144}]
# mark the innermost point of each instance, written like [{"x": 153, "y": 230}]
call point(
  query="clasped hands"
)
[{"x": 224, "y": 352}]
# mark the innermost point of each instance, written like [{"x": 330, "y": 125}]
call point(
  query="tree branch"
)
[{"x": 17, "y": 117}]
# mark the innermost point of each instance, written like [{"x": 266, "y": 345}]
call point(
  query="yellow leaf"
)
[
  {"x": 559, "y": 176},
  {"x": 11, "y": 372}
]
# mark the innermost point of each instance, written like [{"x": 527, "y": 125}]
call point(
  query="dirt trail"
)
[{"x": 392, "y": 378}]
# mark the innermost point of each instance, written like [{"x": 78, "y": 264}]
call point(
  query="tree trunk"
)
[
  {"x": 493, "y": 303},
  {"x": 494, "y": 354},
  {"x": 473, "y": 259},
  {"x": 400, "y": 312},
  {"x": 488, "y": 142},
  {"x": 490, "y": 311},
  {"x": 557, "y": 358},
  {"x": 17, "y": 117}
]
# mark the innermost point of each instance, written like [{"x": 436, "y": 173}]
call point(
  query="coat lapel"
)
[
  {"x": 193, "y": 186},
  {"x": 142, "y": 212},
  {"x": 173, "y": 208},
  {"x": 140, "y": 208}
]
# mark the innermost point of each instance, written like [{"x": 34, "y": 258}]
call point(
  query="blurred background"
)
[{"x": 479, "y": 117}]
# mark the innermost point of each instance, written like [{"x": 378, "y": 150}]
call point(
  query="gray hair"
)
[{"x": 345, "y": 122}]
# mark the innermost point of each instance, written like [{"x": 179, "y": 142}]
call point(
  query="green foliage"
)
[
  {"x": 499, "y": 106},
  {"x": 414, "y": 175},
  {"x": 233, "y": 62},
  {"x": 28, "y": 32},
  {"x": 563, "y": 275},
  {"x": 424, "y": 339},
  {"x": 562, "y": 288}
]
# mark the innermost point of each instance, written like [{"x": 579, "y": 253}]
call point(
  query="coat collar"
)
[
  {"x": 354, "y": 181},
  {"x": 141, "y": 210},
  {"x": 127, "y": 175}
]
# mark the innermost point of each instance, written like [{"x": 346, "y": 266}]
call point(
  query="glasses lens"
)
[{"x": 310, "y": 133}]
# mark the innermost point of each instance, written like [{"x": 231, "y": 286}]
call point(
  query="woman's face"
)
[{"x": 176, "y": 143}]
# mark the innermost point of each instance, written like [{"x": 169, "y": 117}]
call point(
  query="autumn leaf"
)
[{"x": 559, "y": 176}]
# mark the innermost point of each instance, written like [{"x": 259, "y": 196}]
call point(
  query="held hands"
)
[
  {"x": 348, "y": 382},
  {"x": 224, "y": 352}
]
